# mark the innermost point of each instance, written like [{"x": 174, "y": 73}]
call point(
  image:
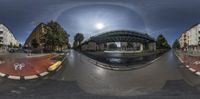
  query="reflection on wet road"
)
[{"x": 97, "y": 80}]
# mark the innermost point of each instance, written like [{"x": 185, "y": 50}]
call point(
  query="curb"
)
[
  {"x": 188, "y": 67},
  {"x": 2, "y": 74},
  {"x": 30, "y": 77},
  {"x": 14, "y": 77}
]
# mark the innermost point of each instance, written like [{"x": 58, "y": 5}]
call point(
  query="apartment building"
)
[
  {"x": 6, "y": 37},
  {"x": 38, "y": 35},
  {"x": 184, "y": 40},
  {"x": 190, "y": 39}
]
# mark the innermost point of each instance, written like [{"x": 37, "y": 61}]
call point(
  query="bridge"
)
[{"x": 121, "y": 40}]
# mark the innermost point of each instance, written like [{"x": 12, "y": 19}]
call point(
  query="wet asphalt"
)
[{"x": 79, "y": 79}]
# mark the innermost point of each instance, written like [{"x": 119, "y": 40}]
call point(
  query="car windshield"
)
[{"x": 99, "y": 49}]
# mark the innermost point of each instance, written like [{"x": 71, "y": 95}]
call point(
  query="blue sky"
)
[{"x": 169, "y": 17}]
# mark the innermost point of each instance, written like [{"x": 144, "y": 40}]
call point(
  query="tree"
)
[
  {"x": 34, "y": 43},
  {"x": 78, "y": 38},
  {"x": 75, "y": 44},
  {"x": 161, "y": 42},
  {"x": 20, "y": 45},
  {"x": 56, "y": 36},
  {"x": 176, "y": 44}
]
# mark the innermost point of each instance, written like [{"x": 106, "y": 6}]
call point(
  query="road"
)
[
  {"x": 78, "y": 78},
  {"x": 153, "y": 78}
]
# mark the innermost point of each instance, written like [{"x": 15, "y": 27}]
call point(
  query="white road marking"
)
[
  {"x": 192, "y": 70},
  {"x": 44, "y": 73},
  {"x": 30, "y": 77},
  {"x": 198, "y": 73},
  {"x": 196, "y": 62},
  {"x": 18, "y": 66},
  {"x": 14, "y": 77},
  {"x": 2, "y": 74}
]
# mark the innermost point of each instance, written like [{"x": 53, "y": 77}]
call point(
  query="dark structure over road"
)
[{"x": 121, "y": 40}]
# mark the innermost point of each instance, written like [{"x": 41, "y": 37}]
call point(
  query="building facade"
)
[
  {"x": 190, "y": 39},
  {"x": 184, "y": 40},
  {"x": 38, "y": 34},
  {"x": 6, "y": 37}
]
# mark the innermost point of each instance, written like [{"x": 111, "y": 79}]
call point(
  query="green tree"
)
[
  {"x": 75, "y": 44},
  {"x": 161, "y": 42},
  {"x": 56, "y": 36},
  {"x": 78, "y": 38},
  {"x": 176, "y": 44},
  {"x": 34, "y": 43},
  {"x": 20, "y": 45}
]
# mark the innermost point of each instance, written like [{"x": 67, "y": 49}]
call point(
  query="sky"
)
[{"x": 167, "y": 17}]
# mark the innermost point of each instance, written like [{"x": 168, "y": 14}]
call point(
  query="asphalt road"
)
[
  {"x": 148, "y": 80},
  {"x": 78, "y": 78}
]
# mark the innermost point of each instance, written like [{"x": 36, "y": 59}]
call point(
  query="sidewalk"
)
[{"x": 191, "y": 62}]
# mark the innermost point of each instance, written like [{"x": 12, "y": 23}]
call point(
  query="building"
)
[
  {"x": 121, "y": 41},
  {"x": 190, "y": 39},
  {"x": 38, "y": 34},
  {"x": 6, "y": 37},
  {"x": 184, "y": 40}
]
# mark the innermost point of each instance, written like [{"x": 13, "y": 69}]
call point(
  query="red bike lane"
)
[
  {"x": 191, "y": 61},
  {"x": 29, "y": 66}
]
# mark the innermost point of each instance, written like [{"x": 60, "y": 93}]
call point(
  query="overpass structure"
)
[{"x": 120, "y": 41}]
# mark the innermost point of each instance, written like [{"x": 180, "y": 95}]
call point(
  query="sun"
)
[{"x": 100, "y": 26}]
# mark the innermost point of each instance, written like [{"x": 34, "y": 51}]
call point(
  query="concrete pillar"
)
[
  {"x": 107, "y": 46},
  {"x": 101, "y": 46},
  {"x": 141, "y": 47}
]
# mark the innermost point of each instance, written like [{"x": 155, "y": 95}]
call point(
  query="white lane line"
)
[
  {"x": 192, "y": 70},
  {"x": 198, "y": 73},
  {"x": 14, "y": 77},
  {"x": 30, "y": 77},
  {"x": 2, "y": 74},
  {"x": 44, "y": 73}
]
